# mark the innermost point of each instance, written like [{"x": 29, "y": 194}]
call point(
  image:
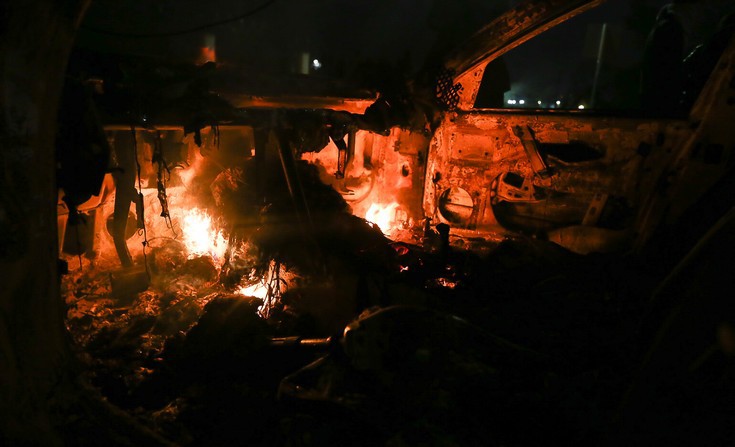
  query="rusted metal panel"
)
[
  {"x": 481, "y": 148},
  {"x": 472, "y": 150}
]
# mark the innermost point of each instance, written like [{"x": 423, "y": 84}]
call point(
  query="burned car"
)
[
  {"x": 486, "y": 147},
  {"x": 594, "y": 170},
  {"x": 494, "y": 233}
]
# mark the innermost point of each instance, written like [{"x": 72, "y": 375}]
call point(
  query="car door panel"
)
[
  {"x": 593, "y": 180},
  {"x": 473, "y": 150}
]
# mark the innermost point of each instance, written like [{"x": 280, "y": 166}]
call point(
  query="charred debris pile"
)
[
  {"x": 256, "y": 309},
  {"x": 352, "y": 338},
  {"x": 376, "y": 342}
]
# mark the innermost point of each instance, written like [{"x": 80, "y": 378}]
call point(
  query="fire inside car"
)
[{"x": 524, "y": 240}]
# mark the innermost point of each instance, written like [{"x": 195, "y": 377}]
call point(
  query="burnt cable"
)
[
  {"x": 139, "y": 205},
  {"x": 163, "y": 176},
  {"x": 78, "y": 244}
]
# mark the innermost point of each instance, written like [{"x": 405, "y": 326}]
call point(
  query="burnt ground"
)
[{"x": 524, "y": 345}]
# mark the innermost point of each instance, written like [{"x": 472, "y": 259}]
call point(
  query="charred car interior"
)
[{"x": 525, "y": 240}]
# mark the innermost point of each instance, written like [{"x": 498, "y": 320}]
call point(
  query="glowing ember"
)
[
  {"x": 444, "y": 282},
  {"x": 200, "y": 237},
  {"x": 382, "y": 215},
  {"x": 258, "y": 290}
]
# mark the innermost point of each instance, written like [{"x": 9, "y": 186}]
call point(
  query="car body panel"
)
[{"x": 647, "y": 171}]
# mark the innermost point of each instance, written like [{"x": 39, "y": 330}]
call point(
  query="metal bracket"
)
[
  {"x": 595, "y": 209},
  {"x": 530, "y": 145}
]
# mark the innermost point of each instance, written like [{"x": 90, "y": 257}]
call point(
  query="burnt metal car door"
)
[{"x": 590, "y": 172}]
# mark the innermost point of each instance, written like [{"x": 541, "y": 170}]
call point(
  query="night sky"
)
[
  {"x": 385, "y": 38},
  {"x": 339, "y": 33}
]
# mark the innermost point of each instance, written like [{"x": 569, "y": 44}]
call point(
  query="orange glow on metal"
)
[
  {"x": 352, "y": 105},
  {"x": 207, "y": 55}
]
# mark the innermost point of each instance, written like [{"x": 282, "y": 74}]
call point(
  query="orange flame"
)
[
  {"x": 269, "y": 288},
  {"x": 383, "y": 215},
  {"x": 200, "y": 237}
]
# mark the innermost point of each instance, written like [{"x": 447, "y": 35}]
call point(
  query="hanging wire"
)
[
  {"x": 252, "y": 12},
  {"x": 163, "y": 176},
  {"x": 140, "y": 206},
  {"x": 79, "y": 243},
  {"x": 275, "y": 286}
]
